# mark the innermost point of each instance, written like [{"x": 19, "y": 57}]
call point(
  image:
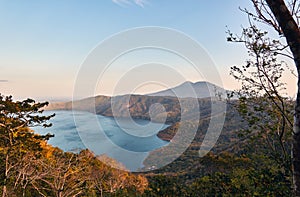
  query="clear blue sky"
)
[{"x": 43, "y": 43}]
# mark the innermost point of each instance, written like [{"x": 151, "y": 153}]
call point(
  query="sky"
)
[{"x": 43, "y": 44}]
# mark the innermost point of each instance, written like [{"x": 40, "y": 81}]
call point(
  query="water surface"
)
[{"x": 129, "y": 144}]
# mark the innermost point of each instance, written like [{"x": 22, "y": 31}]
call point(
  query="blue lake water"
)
[{"x": 126, "y": 141}]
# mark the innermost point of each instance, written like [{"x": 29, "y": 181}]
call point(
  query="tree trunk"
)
[
  {"x": 291, "y": 32},
  {"x": 4, "y": 189}
]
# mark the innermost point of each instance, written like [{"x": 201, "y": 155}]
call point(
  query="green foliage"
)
[
  {"x": 225, "y": 174},
  {"x": 166, "y": 186},
  {"x": 252, "y": 175}
]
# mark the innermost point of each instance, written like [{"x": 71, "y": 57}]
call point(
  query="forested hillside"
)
[{"x": 31, "y": 167}]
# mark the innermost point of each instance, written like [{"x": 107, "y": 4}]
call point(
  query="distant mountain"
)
[
  {"x": 201, "y": 89},
  {"x": 138, "y": 107}
]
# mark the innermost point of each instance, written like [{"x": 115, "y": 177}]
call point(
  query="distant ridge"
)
[{"x": 201, "y": 89}]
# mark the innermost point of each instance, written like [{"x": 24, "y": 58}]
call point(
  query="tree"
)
[
  {"x": 261, "y": 104},
  {"x": 17, "y": 140},
  {"x": 62, "y": 174},
  {"x": 66, "y": 174},
  {"x": 284, "y": 18},
  {"x": 113, "y": 179},
  {"x": 31, "y": 167},
  {"x": 235, "y": 175}
]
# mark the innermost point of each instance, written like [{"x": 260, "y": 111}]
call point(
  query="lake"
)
[{"x": 129, "y": 142}]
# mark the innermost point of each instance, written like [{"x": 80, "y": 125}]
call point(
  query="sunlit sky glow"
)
[{"x": 43, "y": 43}]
